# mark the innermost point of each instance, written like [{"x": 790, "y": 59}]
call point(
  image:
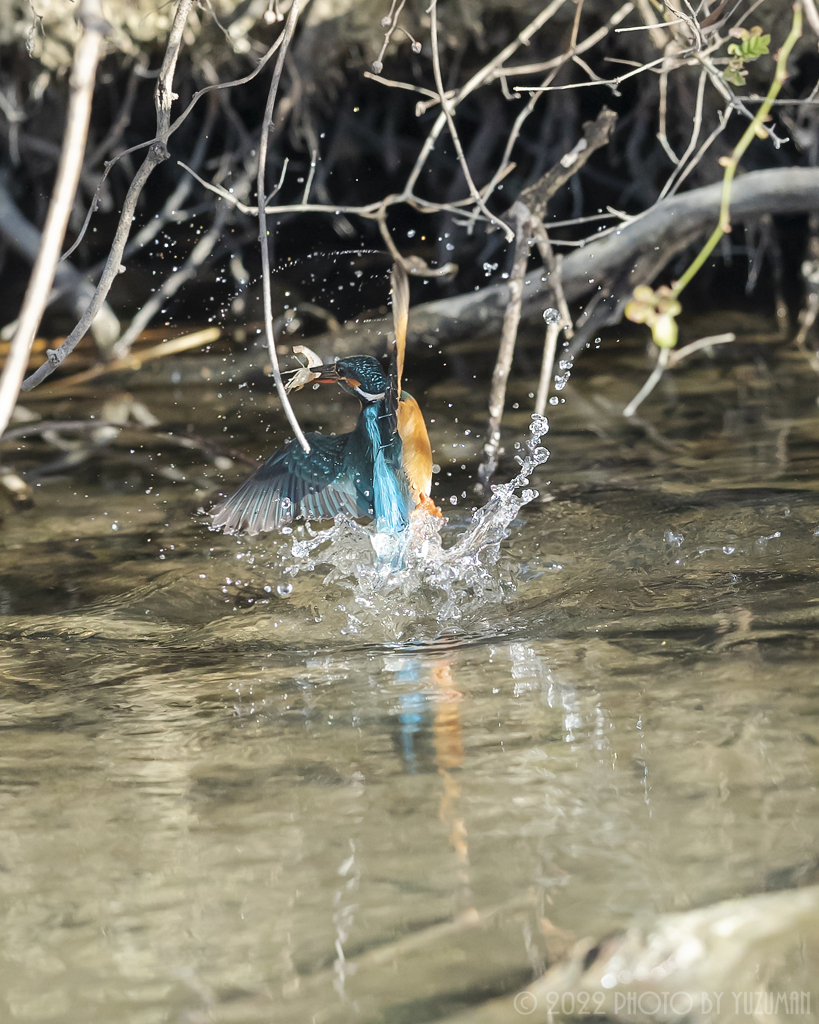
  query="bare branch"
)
[
  {"x": 595, "y": 135},
  {"x": 474, "y": 82},
  {"x": 171, "y": 285},
  {"x": 162, "y": 139},
  {"x": 695, "y": 135},
  {"x": 584, "y": 85},
  {"x": 445, "y": 106},
  {"x": 666, "y": 360},
  {"x": 653, "y": 380},
  {"x": 506, "y": 349},
  {"x": 83, "y": 73},
  {"x": 554, "y": 266},
  {"x": 157, "y": 153},
  {"x": 261, "y": 192}
]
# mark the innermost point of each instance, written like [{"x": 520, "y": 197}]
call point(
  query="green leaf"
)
[{"x": 754, "y": 47}]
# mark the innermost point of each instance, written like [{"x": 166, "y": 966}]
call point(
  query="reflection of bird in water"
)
[
  {"x": 429, "y": 709},
  {"x": 382, "y": 468}
]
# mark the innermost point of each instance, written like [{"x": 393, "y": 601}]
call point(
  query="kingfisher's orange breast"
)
[{"x": 416, "y": 452}]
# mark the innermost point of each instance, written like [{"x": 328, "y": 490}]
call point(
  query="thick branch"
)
[
  {"x": 668, "y": 227},
  {"x": 662, "y": 232}
]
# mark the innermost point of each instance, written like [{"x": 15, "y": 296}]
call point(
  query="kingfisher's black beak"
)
[{"x": 327, "y": 374}]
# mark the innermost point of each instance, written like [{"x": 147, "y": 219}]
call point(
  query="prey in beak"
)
[{"x": 307, "y": 373}]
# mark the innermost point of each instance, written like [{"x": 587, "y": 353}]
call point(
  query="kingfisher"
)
[{"x": 382, "y": 469}]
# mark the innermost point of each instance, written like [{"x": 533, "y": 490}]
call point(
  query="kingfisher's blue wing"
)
[{"x": 292, "y": 483}]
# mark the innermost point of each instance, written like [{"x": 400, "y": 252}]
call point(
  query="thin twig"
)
[
  {"x": 309, "y": 182},
  {"x": 677, "y": 355},
  {"x": 669, "y": 358},
  {"x": 158, "y": 152},
  {"x": 554, "y": 266},
  {"x": 644, "y": 28},
  {"x": 261, "y": 192},
  {"x": 662, "y": 134},
  {"x": 506, "y": 349},
  {"x": 391, "y": 25},
  {"x": 724, "y": 223},
  {"x": 546, "y": 367},
  {"x": 83, "y": 73},
  {"x": 445, "y": 106},
  {"x": 652, "y": 382},
  {"x": 695, "y": 135},
  {"x": 171, "y": 285},
  {"x": 162, "y": 138},
  {"x": 583, "y": 85},
  {"x": 723, "y": 116},
  {"x": 409, "y": 86},
  {"x": 478, "y": 79}
]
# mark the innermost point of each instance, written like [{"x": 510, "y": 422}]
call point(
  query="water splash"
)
[{"x": 436, "y": 587}]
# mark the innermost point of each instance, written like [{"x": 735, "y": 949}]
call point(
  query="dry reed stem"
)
[{"x": 136, "y": 360}]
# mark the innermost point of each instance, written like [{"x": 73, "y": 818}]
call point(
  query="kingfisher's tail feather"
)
[{"x": 399, "y": 283}]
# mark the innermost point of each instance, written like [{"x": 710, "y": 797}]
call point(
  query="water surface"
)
[{"x": 226, "y": 800}]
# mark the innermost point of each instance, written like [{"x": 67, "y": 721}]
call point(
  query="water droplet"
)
[
  {"x": 378, "y": 67},
  {"x": 554, "y": 400},
  {"x": 551, "y": 316},
  {"x": 728, "y": 549},
  {"x": 284, "y": 589}
]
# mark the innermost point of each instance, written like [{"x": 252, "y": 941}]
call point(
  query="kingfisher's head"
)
[{"x": 362, "y": 376}]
